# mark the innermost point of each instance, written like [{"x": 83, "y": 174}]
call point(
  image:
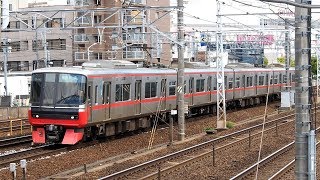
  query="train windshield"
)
[{"x": 58, "y": 89}]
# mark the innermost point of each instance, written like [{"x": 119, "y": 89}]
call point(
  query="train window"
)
[
  {"x": 191, "y": 84},
  {"x": 261, "y": 80},
  {"x": 214, "y": 85},
  {"x": 280, "y": 79},
  {"x": 96, "y": 95},
  {"x": 237, "y": 83},
  {"x": 267, "y": 79},
  {"x": 36, "y": 86},
  {"x": 185, "y": 87},
  {"x": 275, "y": 79},
  {"x": 122, "y": 92},
  {"x": 225, "y": 82},
  {"x": 284, "y": 79},
  {"x": 172, "y": 88},
  {"x": 271, "y": 79},
  {"x": 200, "y": 85},
  {"x": 163, "y": 88},
  {"x": 230, "y": 83},
  {"x": 249, "y": 81},
  {"x": 150, "y": 89},
  {"x": 89, "y": 92},
  {"x": 209, "y": 83},
  {"x": 49, "y": 87}
]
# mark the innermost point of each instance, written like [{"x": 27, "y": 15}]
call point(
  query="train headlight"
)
[
  {"x": 72, "y": 117},
  {"x": 37, "y": 116}
]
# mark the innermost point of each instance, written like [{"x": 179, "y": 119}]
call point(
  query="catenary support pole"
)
[
  {"x": 180, "y": 88},
  {"x": 302, "y": 90}
]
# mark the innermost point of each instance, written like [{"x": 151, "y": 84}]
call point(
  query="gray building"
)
[{"x": 30, "y": 34}]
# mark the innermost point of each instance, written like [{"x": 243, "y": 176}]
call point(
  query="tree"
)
[
  {"x": 265, "y": 61},
  {"x": 313, "y": 65},
  {"x": 282, "y": 60}
]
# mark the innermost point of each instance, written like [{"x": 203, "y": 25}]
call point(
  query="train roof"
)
[{"x": 126, "y": 67}]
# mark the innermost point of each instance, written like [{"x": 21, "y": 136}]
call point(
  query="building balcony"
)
[
  {"x": 81, "y": 3},
  {"x": 84, "y": 20},
  {"x": 134, "y": 38},
  {"x": 81, "y": 38},
  {"x": 132, "y": 55},
  {"x": 81, "y": 56}
]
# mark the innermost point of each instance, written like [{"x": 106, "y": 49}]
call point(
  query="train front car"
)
[{"x": 57, "y": 111}]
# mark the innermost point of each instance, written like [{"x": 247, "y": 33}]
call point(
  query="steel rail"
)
[
  {"x": 15, "y": 140},
  {"x": 285, "y": 169},
  {"x": 189, "y": 149},
  {"x": 200, "y": 157},
  {"x": 267, "y": 159}
]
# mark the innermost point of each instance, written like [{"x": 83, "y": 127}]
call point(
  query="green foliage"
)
[
  {"x": 230, "y": 124},
  {"x": 209, "y": 129},
  {"x": 313, "y": 65},
  {"x": 265, "y": 61},
  {"x": 282, "y": 60}
]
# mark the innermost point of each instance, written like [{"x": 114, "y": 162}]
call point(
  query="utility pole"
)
[
  {"x": 180, "y": 88},
  {"x": 303, "y": 89},
  {"x": 287, "y": 51},
  {"x": 45, "y": 48},
  {"x": 5, "y": 49},
  {"x": 221, "y": 101}
]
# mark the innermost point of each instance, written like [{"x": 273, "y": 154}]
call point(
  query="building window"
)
[
  {"x": 18, "y": 66},
  {"x": 37, "y": 45},
  {"x": 97, "y": 19},
  {"x": 122, "y": 92},
  {"x": 97, "y": 55},
  {"x": 150, "y": 89},
  {"x": 55, "y": 22},
  {"x": 56, "y": 44}
]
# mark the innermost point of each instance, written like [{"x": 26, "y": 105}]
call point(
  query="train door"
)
[
  {"x": 256, "y": 84},
  {"x": 243, "y": 85},
  {"x": 191, "y": 89},
  {"x": 138, "y": 97},
  {"x": 90, "y": 101},
  {"x": 106, "y": 98},
  {"x": 163, "y": 94},
  {"x": 209, "y": 84}
]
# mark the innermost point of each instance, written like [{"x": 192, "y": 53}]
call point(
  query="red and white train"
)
[{"x": 105, "y": 98}]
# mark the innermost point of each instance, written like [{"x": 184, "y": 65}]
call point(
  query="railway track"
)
[
  {"x": 164, "y": 165},
  {"x": 287, "y": 150},
  {"x": 289, "y": 167},
  {"x": 15, "y": 141}
]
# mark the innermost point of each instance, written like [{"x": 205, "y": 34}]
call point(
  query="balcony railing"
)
[
  {"x": 81, "y": 38},
  {"x": 82, "y": 3},
  {"x": 133, "y": 55},
  {"x": 81, "y": 56},
  {"x": 134, "y": 38},
  {"x": 84, "y": 20}
]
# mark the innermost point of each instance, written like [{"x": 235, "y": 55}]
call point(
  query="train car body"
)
[{"x": 106, "y": 98}]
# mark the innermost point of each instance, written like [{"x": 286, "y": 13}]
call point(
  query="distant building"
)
[
  {"x": 27, "y": 45},
  {"x": 127, "y": 34}
]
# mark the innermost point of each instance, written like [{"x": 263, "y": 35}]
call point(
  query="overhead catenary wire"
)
[{"x": 263, "y": 127}]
